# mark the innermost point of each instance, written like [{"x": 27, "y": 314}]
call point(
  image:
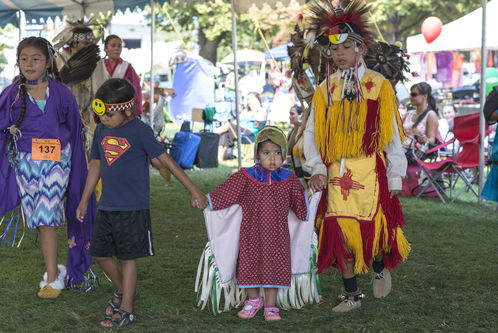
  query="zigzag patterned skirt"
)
[{"x": 42, "y": 187}]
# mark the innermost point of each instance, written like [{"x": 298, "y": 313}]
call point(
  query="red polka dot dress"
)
[{"x": 266, "y": 198}]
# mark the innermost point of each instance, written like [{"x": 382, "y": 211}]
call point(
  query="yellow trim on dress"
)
[{"x": 352, "y": 236}]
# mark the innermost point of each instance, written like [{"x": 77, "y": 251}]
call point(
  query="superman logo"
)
[{"x": 114, "y": 147}]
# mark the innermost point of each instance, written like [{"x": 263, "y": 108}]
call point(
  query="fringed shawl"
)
[{"x": 345, "y": 130}]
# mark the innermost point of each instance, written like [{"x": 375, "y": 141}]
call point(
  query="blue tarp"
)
[
  {"x": 193, "y": 85},
  {"x": 36, "y": 9},
  {"x": 278, "y": 52}
]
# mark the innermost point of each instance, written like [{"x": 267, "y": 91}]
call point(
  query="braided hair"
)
[{"x": 46, "y": 49}]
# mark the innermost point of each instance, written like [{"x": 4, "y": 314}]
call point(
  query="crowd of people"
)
[{"x": 350, "y": 144}]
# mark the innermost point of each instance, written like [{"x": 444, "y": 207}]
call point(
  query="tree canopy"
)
[
  {"x": 208, "y": 23},
  {"x": 212, "y": 22}
]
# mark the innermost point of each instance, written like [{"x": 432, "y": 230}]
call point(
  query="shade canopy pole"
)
[
  {"x": 152, "y": 27},
  {"x": 236, "y": 72},
  {"x": 482, "y": 100}
]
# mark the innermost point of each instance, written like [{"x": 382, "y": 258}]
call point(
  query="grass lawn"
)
[{"x": 448, "y": 283}]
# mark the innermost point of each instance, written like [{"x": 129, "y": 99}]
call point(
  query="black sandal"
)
[
  {"x": 126, "y": 319},
  {"x": 116, "y": 305}
]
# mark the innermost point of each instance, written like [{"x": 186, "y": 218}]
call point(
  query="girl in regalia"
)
[
  {"x": 120, "y": 69},
  {"x": 43, "y": 164},
  {"x": 352, "y": 145},
  {"x": 266, "y": 193}
]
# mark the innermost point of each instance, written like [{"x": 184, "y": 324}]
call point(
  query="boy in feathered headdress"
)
[
  {"x": 353, "y": 147},
  {"x": 81, "y": 69}
]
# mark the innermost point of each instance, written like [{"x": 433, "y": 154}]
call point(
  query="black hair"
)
[
  {"x": 108, "y": 39},
  {"x": 81, "y": 30},
  {"x": 114, "y": 91},
  {"x": 46, "y": 49},
  {"x": 425, "y": 89},
  {"x": 255, "y": 95},
  {"x": 299, "y": 108}
]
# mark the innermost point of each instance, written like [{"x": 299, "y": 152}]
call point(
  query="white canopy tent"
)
[{"x": 463, "y": 34}]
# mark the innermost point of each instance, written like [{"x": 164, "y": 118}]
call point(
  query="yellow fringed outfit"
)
[{"x": 357, "y": 144}]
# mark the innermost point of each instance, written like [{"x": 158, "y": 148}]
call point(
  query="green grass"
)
[{"x": 448, "y": 283}]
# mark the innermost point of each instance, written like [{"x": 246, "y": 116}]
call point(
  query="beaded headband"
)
[
  {"x": 85, "y": 37},
  {"x": 339, "y": 33},
  {"x": 100, "y": 107}
]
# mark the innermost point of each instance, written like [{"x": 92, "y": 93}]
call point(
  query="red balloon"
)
[{"x": 431, "y": 28}]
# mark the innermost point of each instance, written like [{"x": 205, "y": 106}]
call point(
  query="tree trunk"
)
[{"x": 208, "y": 48}]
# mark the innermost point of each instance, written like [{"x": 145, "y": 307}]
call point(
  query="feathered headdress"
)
[
  {"x": 66, "y": 36},
  {"x": 81, "y": 65},
  {"x": 329, "y": 24}
]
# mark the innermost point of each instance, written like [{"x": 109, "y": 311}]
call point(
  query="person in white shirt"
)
[{"x": 352, "y": 145}]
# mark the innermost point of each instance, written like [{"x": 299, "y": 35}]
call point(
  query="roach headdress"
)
[{"x": 331, "y": 24}]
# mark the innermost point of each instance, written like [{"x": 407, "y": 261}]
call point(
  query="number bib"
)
[{"x": 46, "y": 149}]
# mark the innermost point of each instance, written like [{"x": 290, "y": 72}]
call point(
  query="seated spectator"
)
[
  {"x": 252, "y": 118},
  {"x": 421, "y": 124},
  {"x": 446, "y": 123},
  {"x": 446, "y": 128}
]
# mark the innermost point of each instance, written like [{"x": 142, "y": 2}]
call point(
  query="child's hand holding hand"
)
[
  {"x": 198, "y": 200},
  {"x": 81, "y": 211},
  {"x": 318, "y": 183}
]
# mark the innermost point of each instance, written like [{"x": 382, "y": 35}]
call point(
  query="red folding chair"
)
[{"x": 466, "y": 131}]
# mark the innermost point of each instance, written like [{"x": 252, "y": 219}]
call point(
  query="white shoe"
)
[
  {"x": 59, "y": 283},
  {"x": 382, "y": 283}
]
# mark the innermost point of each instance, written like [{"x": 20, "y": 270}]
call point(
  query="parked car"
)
[{"x": 467, "y": 93}]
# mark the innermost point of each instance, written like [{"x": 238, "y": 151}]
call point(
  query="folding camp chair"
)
[
  {"x": 466, "y": 131},
  {"x": 248, "y": 139},
  {"x": 415, "y": 181}
]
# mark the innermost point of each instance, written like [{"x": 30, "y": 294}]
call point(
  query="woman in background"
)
[
  {"x": 120, "y": 69},
  {"x": 421, "y": 124}
]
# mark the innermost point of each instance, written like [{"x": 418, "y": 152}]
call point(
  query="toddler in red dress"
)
[{"x": 266, "y": 194}]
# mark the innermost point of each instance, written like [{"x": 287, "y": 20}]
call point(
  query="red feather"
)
[{"x": 323, "y": 16}]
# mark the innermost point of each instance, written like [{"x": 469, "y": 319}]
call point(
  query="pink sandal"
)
[
  {"x": 271, "y": 313},
  {"x": 251, "y": 307}
]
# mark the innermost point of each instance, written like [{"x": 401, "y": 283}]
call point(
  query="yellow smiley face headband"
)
[{"x": 100, "y": 107}]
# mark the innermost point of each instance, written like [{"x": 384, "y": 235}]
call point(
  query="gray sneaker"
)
[{"x": 381, "y": 283}]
